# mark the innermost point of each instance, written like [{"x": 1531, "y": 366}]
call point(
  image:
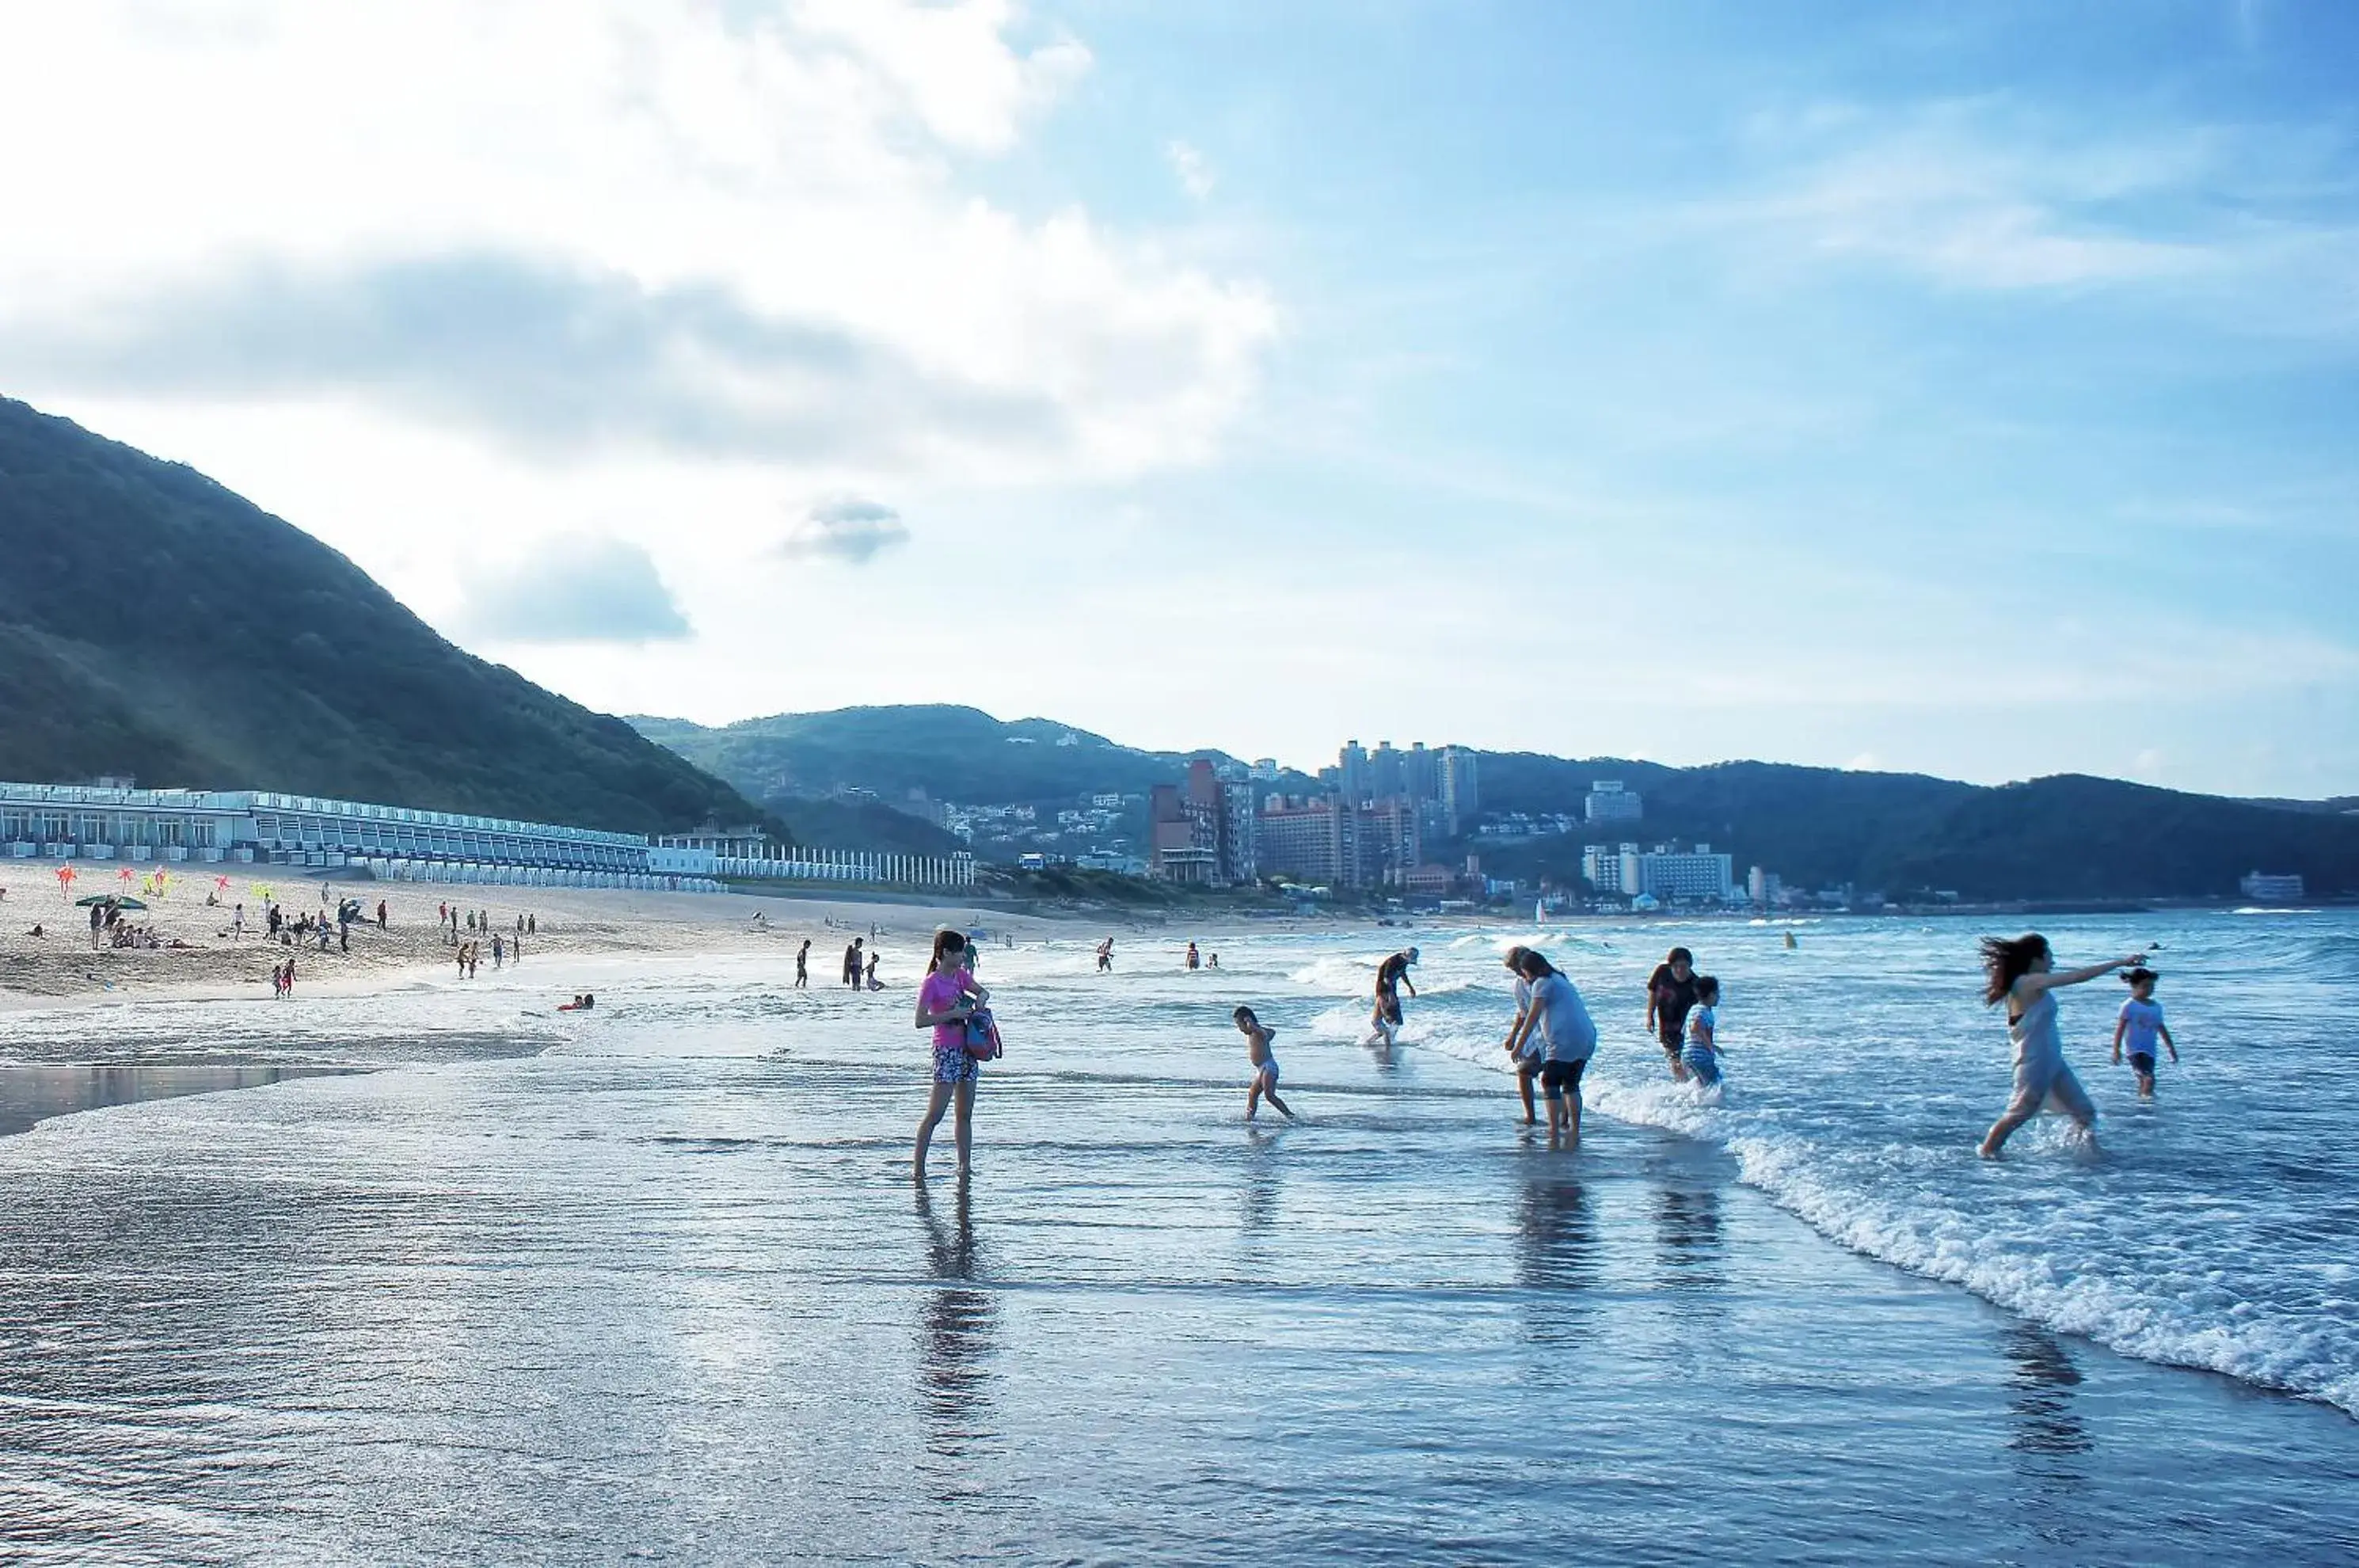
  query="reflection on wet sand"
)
[
  {"x": 957, "y": 1333},
  {"x": 2051, "y": 1442},
  {"x": 1257, "y": 1193},
  {"x": 1556, "y": 1247},
  {"x": 1687, "y": 1237},
  {"x": 31, "y": 1095}
]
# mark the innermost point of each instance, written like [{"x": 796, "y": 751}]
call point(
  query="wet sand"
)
[{"x": 29, "y": 1095}]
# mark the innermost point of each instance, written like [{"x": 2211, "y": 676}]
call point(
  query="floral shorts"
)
[{"x": 953, "y": 1065}]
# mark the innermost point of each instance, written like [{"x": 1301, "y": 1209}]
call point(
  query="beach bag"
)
[{"x": 981, "y": 1035}]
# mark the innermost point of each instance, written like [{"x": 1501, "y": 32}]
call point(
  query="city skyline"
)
[{"x": 1876, "y": 385}]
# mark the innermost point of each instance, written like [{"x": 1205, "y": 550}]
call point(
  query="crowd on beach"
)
[{"x": 1553, "y": 1037}]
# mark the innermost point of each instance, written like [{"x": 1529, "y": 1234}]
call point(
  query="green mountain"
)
[
  {"x": 949, "y": 752},
  {"x": 2060, "y": 838},
  {"x": 2067, "y": 837},
  {"x": 154, "y": 625}
]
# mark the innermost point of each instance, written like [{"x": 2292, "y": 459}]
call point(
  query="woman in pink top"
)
[{"x": 944, "y": 1002}]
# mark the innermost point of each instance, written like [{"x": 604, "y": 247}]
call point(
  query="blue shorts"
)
[
  {"x": 2142, "y": 1064},
  {"x": 953, "y": 1065},
  {"x": 1704, "y": 1063}
]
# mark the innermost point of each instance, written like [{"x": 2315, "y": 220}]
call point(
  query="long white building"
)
[{"x": 258, "y": 827}]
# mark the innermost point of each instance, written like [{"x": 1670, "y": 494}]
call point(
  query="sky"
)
[{"x": 1962, "y": 388}]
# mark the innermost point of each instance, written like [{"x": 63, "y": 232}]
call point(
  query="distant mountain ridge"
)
[
  {"x": 153, "y": 623},
  {"x": 2068, "y": 837}
]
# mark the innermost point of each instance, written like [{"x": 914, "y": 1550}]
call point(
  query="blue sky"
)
[{"x": 1955, "y": 388}]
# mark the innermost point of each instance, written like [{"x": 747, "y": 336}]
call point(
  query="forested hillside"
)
[{"x": 152, "y": 624}]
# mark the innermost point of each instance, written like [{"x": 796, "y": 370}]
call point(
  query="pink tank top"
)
[{"x": 941, "y": 991}]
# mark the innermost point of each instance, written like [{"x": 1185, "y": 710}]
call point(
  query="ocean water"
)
[{"x": 654, "y": 1283}]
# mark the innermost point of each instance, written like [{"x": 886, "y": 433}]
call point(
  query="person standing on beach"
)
[
  {"x": 1391, "y": 975},
  {"x": 499, "y": 952},
  {"x": 2140, "y": 1024},
  {"x": 380, "y": 914},
  {"x": 1194, "y": 962},
  {"x": 1522, "y": 1045},
  {"x": 802, "y": 966},
  {"x": 2021, "y": 972},
  {"x": 1105, "y": 955},
  {"x": 1670, "y": 992},
  {"x": 1563, "y": 1019},
  {"x": 853, "y": 958},
  {"x": 1264, "y": 1062},
  {"x": 949, "y": 996}
]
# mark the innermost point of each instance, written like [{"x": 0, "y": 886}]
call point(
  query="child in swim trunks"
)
[
  {"x": 1701, "y": 1056},
  {"x": 2139, "y": 1027},
  {"x": 1265, "y": 1064}
]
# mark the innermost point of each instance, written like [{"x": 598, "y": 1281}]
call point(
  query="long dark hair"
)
[
  {"x": 2007, "y": 960},
  {"x": 947, "y": 944},
  {"x": 1534, "y": 965}
]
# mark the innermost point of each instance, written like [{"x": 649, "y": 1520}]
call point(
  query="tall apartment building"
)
[
  {"x": 1609, "y": 802},
  {"x": 1327, "y": 841},
  {"x": 1459, "y": 788},
  {"x": 1206, "y": 830}
]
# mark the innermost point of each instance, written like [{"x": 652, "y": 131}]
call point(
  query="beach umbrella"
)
[{"x": 120, "y": 900}]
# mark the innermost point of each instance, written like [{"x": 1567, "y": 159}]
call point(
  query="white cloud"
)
[
  {"x": 583, "y": 589},
  {"x": 1189, "y": 168},
  {"x": 795, "y": 173},
  {"x": 848, "y": 529}
]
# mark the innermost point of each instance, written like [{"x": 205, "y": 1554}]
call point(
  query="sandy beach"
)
[{"x": 199, "y": 956}]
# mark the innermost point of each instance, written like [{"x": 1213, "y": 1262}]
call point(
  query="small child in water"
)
[
  {"x": 2139, "y": 1027},
  {"x": 1701, "y": 1056},
  {"x": 1265, "y": 1065}
]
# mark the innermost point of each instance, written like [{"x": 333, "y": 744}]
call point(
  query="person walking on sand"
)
[
  {"x": 1264, "y": 1062},
  {"x": 2021, "y": 972},
  {"x": 1523, "y": 1044},
  {"x": 1670, "y": 992},
  {"x": 499, "y": 952},
  {"x": 1562, "y": 1018},
  {"x": 949, "y": 996},
  {"x": 2140, "y": 1025},
  {"x": 1385, "y": 1020},
  {"x": 802, "y": 966},
  {"x": 380, "y": 914}
]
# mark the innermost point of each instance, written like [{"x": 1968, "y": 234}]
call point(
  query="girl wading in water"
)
[
  {"x": 949, "y": 996},
  {"x": 2022, "y": 974}
]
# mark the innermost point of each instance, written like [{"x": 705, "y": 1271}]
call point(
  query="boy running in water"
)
[
  {"x": 2139, "y": 1027},
  {"x": 1265, "y": 1065}
]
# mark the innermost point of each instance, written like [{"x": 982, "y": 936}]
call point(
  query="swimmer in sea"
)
[
  {"x": 1563, "y": 1019},
  {"x": 1258, "y": 1035},
  {"x": 1521, "y": 1035},
  {"x": 1702, "y": 1054},
  {"x": 2139, "y": 1027},
  {"x": 2022, "y": 973},
  {"x": 1384, "y": 1021}
]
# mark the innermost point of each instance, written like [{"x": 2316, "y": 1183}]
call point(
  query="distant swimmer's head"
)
[
  {"x": 1707, "y": 990},
  {"x": 2007, "y": 960},
  {"x": 949, "y": 950},
  {"x": 2140, "y": 982}
]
